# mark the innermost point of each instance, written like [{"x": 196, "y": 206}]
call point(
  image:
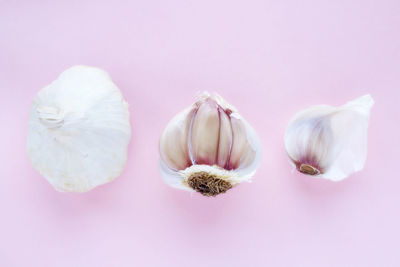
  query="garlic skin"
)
[
  {"x": 79, "y": 130},
  {"x": 208, "y": 148},
  {"x": 330, "y": 142}
]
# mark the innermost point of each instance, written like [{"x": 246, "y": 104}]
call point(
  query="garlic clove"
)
[
  {"x": 205, "y": 133},
  {"x": 310, "y": 142},
  {"x": 210, "y": 146},
  {"x": 243, "y": 153},
  {"x": 246, "y": 171},
  {"x": 330, "y": 142},
  {"x": 173, "y": 143},
  {"x": 225, "y": 140}
]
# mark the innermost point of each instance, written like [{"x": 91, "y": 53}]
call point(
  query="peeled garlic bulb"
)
[
  {"x": 79, "y": 130},
  {"x": 208, "y": 148},
  {"x": 330, "y": 142}
]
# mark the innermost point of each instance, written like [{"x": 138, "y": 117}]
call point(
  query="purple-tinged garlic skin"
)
[
  {"x": 209, "y": 138},
  {"x": 330, "y": 142}
]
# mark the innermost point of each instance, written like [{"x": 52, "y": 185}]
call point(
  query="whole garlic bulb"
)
[
  {"x": 330, "y": 142},
  {"x": 79, "y": 130},
  {"x": 208, "y": 148}
]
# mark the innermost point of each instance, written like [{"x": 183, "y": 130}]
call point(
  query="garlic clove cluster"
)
[
  {"x": 79, "y": 130},
  {"x": 330, "y": 142},
  {"x": 208, "y": 148}
]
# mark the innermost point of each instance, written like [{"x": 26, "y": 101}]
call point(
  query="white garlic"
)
[
  {"x": 208, "y": 148},
  {"x": 330, "y": 142},
  {"x": 79, "y": 130}
]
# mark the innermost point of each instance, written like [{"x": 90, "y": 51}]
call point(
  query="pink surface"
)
[{"x": 268, "y": 58}]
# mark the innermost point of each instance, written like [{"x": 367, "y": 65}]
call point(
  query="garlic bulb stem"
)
[
  {"x": 308, "y": 169},
  {"x": 50, "y": 117},
  {"x": 208, "y": 184}
]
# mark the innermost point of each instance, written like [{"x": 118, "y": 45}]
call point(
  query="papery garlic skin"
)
[
  {"x": 79, "y": 130},
  {"x": 208, "y": 148},
  {"x": 330, "y": 142}
]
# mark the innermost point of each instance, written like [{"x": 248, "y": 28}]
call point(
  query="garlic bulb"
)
[
  {"x": 330, "y": 142},
  {"x": 208, "y": 148},
  {"x": 79, "y": 130}
]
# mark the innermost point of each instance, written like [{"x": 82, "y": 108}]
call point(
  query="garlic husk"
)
[
  {"x": 79, "y": 130},
  {"x": 330, "y": 142},
  {"x": 208, "y": 148}
]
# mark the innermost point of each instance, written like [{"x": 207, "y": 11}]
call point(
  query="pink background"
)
[{"x": 268, "y": 58}]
